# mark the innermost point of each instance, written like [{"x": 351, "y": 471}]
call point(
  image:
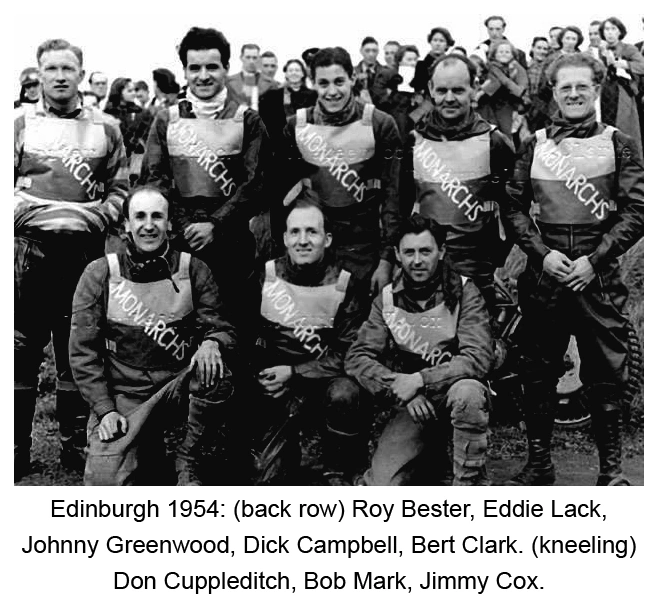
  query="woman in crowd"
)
[
  {"x": 625, "y": 69},
  {"x": 440, "y": 42},
  {"x": 569, "y": 41}
]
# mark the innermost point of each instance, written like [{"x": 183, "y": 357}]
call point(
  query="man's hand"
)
[
  {"x": 208, "y": 361},
  {"x": 112, "y": 426},
  {"x": 274, "y": 379},
  {"x": 421, "y": 410},
  {"x": 581, "y": 275},
  {"x": 381, "y": 277},
  {"x": 558, "y": 265},
  {"x": 199, "y": 235},
  {"x": 404, "y": 386}
]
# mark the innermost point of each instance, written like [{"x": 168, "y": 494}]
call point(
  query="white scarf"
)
[{"x": 207, "y": 109}]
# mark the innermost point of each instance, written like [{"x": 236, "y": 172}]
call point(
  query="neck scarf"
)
[
  {"x": 310, "y": 274},
  {"x": 348, "y": 114},
  {"x": 562, "y": 127},
  {"x": 207, "y": 109},
  {"x": 436, "y": 127}
]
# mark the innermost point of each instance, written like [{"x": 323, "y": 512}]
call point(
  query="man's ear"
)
[
  {"x": 397, "y": 256},
  {"x": 442, "y": 251},
  {"x": 328, "y": 239},
  {"x": 126, "y": 226},
  {"x": 285, "y": 239},
  {"x": 168, "y": 227}
]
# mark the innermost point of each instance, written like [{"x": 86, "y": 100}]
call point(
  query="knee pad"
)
[{"x": 468, "y": 401}]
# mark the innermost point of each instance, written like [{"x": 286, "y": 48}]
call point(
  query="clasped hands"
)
[
  {"x": 574, "y": 274},
  {"x": 405, "y": 389}
]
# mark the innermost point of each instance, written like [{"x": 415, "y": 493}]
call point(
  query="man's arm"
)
[
  {"x": 87, "y": 340},
  {"x": 629, "y": 196},
  {"x": 475, "y": 357},
  {"x": 156, "y": 166},
  {"x": 116, "y": 174},
  {"x": 362, "y": 359}
]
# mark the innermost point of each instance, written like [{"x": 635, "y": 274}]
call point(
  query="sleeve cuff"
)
[{"x": 103, "y": 407}]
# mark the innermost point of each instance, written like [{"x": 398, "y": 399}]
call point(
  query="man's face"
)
[
  {"x": 334, "y": 87},
  {"x": 31, "y": 89},
  {"x": 305, "y": 237},
  {"x": 99, "y": 85},
  {"x": 389, "y": 54},
  {"x": 148, "y": 221},
  {"x": 496, "y": 29},
  {"x": 250, "y": 59},
  {"x": 60, "y": 74},
  {"x": 594, "y": 36},
  {"x": 540, "y": 51},
  {"x": 205, "y": 73},
  {"x": 269, "y": 66},
  {"x": 419, "y": 256},
  {"x": 575, "y": 91},
  {"x": 142, "y": 96},
  {"x": 370, "y": 53},
  {"x": 451, "y": 91},
  {"x": 553, "y": 33}
]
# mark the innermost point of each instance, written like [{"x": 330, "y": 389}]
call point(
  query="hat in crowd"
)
[
  {"x": 166, "y": 81},
  {"x": 29, "y": 75}
]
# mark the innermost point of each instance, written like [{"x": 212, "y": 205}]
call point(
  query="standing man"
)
[
  {"x": 30, "y": 89},
  {"x": 98, "y": 83},
  {"x": 425, "y": 350},
  {"x": 70, "y": 180},
  {"x": 496, "y": 26},
  {"x": 367, "y": 70},
  {"x": 148, "y": 335},
  {"x": 456, "y": 168},
  {"x": 591, "y": 211},
  {"x": 208, "y": 152},
  {"x": 249, "y": 84},
  {"x": 310, "y": 314},
  {"x": 348, "y": 151}
]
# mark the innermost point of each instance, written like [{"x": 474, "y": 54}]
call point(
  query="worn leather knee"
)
[{"x": 468, "y": 402}]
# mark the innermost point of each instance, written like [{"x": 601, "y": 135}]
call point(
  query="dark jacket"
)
[
  {"x": 134, "y": 123},
  {"x": 274, "y": 113},
  {"x": 375, "y": 353},
  {"x": 236, "y": 85},
  {"x": 89, "y": 319},
  {"x": 601, "y": 242}
]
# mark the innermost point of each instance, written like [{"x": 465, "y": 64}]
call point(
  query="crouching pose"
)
[
  {"x": 309, "y": 315},
  {"x": 425, "y": 351},
  {"x": 148, "y": 338}
]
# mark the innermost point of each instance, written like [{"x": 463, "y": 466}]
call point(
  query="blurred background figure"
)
[
  {"x": 142, "y": 94},
  {"x": 29, "y": 81},
  {"x": 390, "y": 50},
  {"x": 269, "y": 64},
  {"x": 165, "y": 89},
  {"x": 98, "y": 83}
]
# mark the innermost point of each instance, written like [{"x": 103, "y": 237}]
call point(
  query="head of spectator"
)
[
  {"x": 495, "y": 25},
  {"x": 205, "y": 55},
  {"x": 501, "y": 51},
  {"x": 570, "y": 39},
  {"x": 307, "y": 236},
  {"x": 419, "y": 250},
  {"x": 142, "y": 93},
  {"x": 332, "y": 75},
  {"x": 612, "y": 30},
  {"x": 60, "y": 73},
  {"x": 89, "y": 99},
  {"x": 452, "y": 87},
  {"x": 440, "y": 41},
  {"x": 295, "y": 73},
  {"x": 29, "y": 81},
  {"x": 539, "y": 49},
  {"x": 553, "y": 34},
  {"x": 594, "y": 34},
  {"x": 576, "y": 80},
  {"x": 390, "y": 49},
  {"x": 165, "y": 86},
  {"x": 250, "y": 58},
  {"x": 122, "y": 93},
  {"x": 459, "y": 50},
  {"x": 269, "y": 64},
  {"x": 146, "y": 214},
  {"x": 308, "y": 55},
  {"x": 98, "y": 83},
  {"x": 480, "y": 67},
  {"x": 407, "y": 55},
  {"x": 369, "y": 50}
]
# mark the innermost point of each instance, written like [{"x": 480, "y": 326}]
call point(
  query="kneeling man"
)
[
  {"x": 425, "y": 351},
  {"x": 147, "y": 337}
]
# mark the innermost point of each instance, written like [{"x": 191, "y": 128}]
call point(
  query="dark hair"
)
[
  {"x": 576, "y": 30},
  {"x": 492, "y": 17},
  {"x": 444, "y": 32},
  {"x": 114, "y": 98},
  {"x": 458, "y": 48},
  {"x": 615, "y": 21},
  {"x": 554, "y": 28},
  {"x": 330, "y": 56},
  {"x": 309, "y": 54},
  {"x": 125, "y": 210},
  {"x": 576, "y": 60},
  {"x": 417, "y": 224},
  {"x": 368, "y": 40},
  {"x": 452, "y": 58},
  {"x": 249, "y": 46},
  {"x": 299, "y": 63},
  {"x": 267, "y": 54},
  {"x": 58, "y": 44},
  {"x": 404, "y": 49},
  {"x": 165, "y": 81},
  {"x": 535, "y": 40},
  {"x": 392, "y": 42},
  {"x": 307, "y": 198},
  {"x": 204, "y": 38},
  {"x": 139, "y": 85},
  {"x": 596, "y": 22}
]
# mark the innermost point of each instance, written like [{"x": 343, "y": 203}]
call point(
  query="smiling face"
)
[
  {"x": 451, "y": 90},
  {"x": 419, "y": 256},
  {"x": 205, "y": 73},
  {"x": 305, "y": 237},
  {"x": 61, "y": 74},
  {"x": 334, "y": 87},
  {"x": 504, "y": 54},
  {"x": 540, "y": 51},
  {"x": 148, "y": 220},
  {"x": 294, "y": 73},
  {"x": 575, "y": 92}
]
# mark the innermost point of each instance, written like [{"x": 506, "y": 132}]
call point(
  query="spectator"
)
[
  {"x": 165, "y": 88},
  {"x": 29, "y": 93},
  {"x": 248, "y": 84},
  {"x": 570, "y": 39},
  {"x": 496, "y": 29},
  {"x": 367, "y": 70},
  {"x": 98, "y": 83},
  {"x": 269, "y": 64},
  {"x": 553, "y": 34},
  {"x": 594, "y": 47},
  {"x": 142, "y": 94},
  {"x": 390, "y": 51},
  {"x": 537, "y": 114},
  {"x": 440, "y": 41}
]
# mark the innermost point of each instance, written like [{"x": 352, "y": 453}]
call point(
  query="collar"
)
[
  {"x": 74, "y": 114},
  {"x": 207, "y": 108}
]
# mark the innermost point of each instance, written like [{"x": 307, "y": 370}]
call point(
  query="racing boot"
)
[
  {"x": 469, "y": 457},
  {"x": 24, "y": 404},
  {"x": 72, "y": 413},
  {"x": 343, "y": 455},
  {"x": 607, "y": 419},
  {"x": 189, "y": 452}
]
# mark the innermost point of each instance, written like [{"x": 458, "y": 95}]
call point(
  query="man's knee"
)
[
  {"x": 342, "y": 392},
  {"x": 343, "y": 409},
  {"x": 468, "y": 403}
]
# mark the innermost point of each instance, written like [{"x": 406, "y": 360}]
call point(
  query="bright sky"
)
[{"x": 131, "y": 38}]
